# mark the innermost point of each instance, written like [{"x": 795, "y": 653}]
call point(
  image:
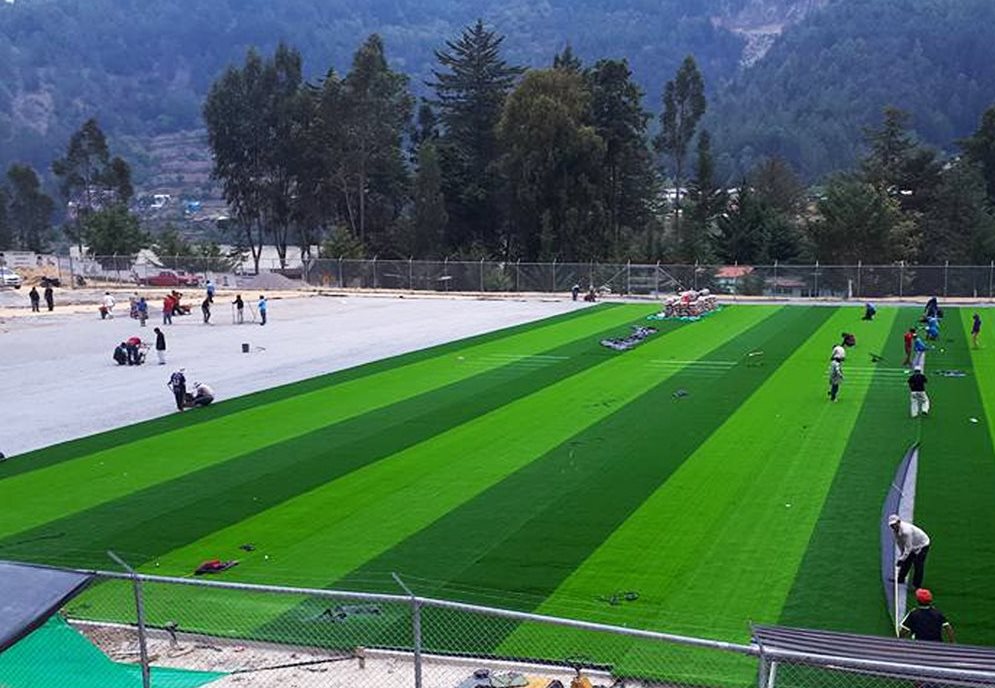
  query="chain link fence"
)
[
  {"x": 606, "y": 279},
  {"x": 255, "y": 636}
]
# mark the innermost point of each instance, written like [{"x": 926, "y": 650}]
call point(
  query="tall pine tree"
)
[
  {"x": 706, "y": 203},
  {"x": 471, "y": 85},
  {"x": 980, "y": 148},
  {"x": 553, "y": 164},
  {"x": 30, "y": 210},
  {"x": 89, "y": 178},
  {"x": 683, "y": 106},
  {"x": 430, "y": 216},
  {"x": 630, "y": 181},
  {"x": 6, "y": 235}
]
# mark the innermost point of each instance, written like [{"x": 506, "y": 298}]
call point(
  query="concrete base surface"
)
[{"x": 58, "y": 381}]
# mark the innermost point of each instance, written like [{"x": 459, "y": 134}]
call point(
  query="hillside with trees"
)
[
  {"x": 830, "y": 76},
  {"x": 144, "y": 68},
  {"x": 794, "y": 78},
  {"x": 481, "y": 154}
]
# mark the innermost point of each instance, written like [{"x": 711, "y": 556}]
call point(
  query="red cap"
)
[{"x": 924, "y": 596}]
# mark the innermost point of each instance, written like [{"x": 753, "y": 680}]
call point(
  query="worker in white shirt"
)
[
  {"x": 107, "y": 306},
  {"x": 839, "y": 351},
  {"x": 202, "y": 395},
  {"x": 913, "y": 546}
]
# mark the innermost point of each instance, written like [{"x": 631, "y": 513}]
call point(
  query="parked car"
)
[
  {"x": 170, "y": 278},
  {"x": 9, "y": 278}
]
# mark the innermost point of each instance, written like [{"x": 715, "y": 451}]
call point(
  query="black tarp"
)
[{"x": 30, "y": 594}]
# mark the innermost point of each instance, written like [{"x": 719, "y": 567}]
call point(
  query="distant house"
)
[
  {"x": 729, "y": 278},
  {"x": 785, "y": 286}
]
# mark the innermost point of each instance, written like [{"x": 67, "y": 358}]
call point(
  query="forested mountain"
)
[
  {"x": 798, "y": 78},
  {"x": 828, "y": 77},
  {"x": 144, "y": 67}
]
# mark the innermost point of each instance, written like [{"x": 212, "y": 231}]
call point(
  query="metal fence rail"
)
[
  {"x": 271, "y": 635},
  {"x": 638, "y": 279}
]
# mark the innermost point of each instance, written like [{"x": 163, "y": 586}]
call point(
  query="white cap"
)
[{"x": 893, "y": 519}]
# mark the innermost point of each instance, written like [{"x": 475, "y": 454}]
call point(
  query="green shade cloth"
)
[{"x": 58, "y": 655}]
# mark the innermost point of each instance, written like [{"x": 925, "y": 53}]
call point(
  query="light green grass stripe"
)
[
  {"x": 716, "y": 545},
  {"x": 35, "y": 497},
  {"x": 982, "y": 359},
  {"x": 320, "y": 536}
]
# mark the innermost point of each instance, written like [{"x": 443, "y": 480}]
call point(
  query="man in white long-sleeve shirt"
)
[{"x": 913, "y": 546}]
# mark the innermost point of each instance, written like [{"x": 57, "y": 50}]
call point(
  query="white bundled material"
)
[{"x": 689, "y": 304}]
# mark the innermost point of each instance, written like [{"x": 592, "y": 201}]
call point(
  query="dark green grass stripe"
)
[
  {"x": 838, "y": 585},
  {"x": 955, "y": 496},
  {"x": 529, "y": 532},
  {"x": 168, "y": 515},
  {"x": 67, "y": 451}
]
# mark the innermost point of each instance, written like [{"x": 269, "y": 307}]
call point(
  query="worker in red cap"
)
[{"x": 926, "y": 622}]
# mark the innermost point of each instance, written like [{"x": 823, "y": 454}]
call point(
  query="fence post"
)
[
  {"x": 72, "y": 274},
  {"x": 816, "y": 279},
  {"x": 445, "y": 272},
  {"x": 415, "y": 628},
  {"x": 628, "y": 277},
  {"x": 901, "y": 279},
  {"x": 143, "y": 649},
  {"x": 482, "y": 275},
  {"x": 518, "y": 274},
  {"x": 374, "y": 272},
  {"x": 767, "y": 675},
  {"x": 776, "y": 286},
  {"x": 859, "y": 265},
  {"x": 991, "y": 274},
  {"x": 656, "y": 280},
  {"x": 590, "y": 275},
  {"x": 341, "y": 283},
  {"x": 553, "y": 290},
  {"x": 946, "y": 270},
  {"x": 694, "y": 276}
]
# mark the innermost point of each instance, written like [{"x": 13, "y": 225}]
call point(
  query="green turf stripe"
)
[
  {"x": 201, "y": 502},
  {"x": 528, "y": 532},
  {"x": 39, "y": 496},
  {"x": 955, "y": 500},
  {"x": 322, "y": 535},
  {"x": 344, "y": 523},
  {"x": 845, "y": 545},
  {"x": 716, "y": 546},
  {"x": 66, "y": 451}
]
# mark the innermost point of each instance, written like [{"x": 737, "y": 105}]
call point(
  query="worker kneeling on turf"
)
[{"x": 202, "y": 396}]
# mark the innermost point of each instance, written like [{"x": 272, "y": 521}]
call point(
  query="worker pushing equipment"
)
[{"x": 919, "y": 400}]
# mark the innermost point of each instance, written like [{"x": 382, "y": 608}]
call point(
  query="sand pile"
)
[{"x": 267, "y": 281}]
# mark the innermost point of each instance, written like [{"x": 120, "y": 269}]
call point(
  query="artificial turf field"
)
[{"x": 532, "y": 468}]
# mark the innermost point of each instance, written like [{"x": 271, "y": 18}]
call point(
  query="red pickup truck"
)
[{"x": 169, "y": 278}]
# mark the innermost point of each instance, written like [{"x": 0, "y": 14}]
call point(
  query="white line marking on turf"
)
[{"x": 667, "y": 361}]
